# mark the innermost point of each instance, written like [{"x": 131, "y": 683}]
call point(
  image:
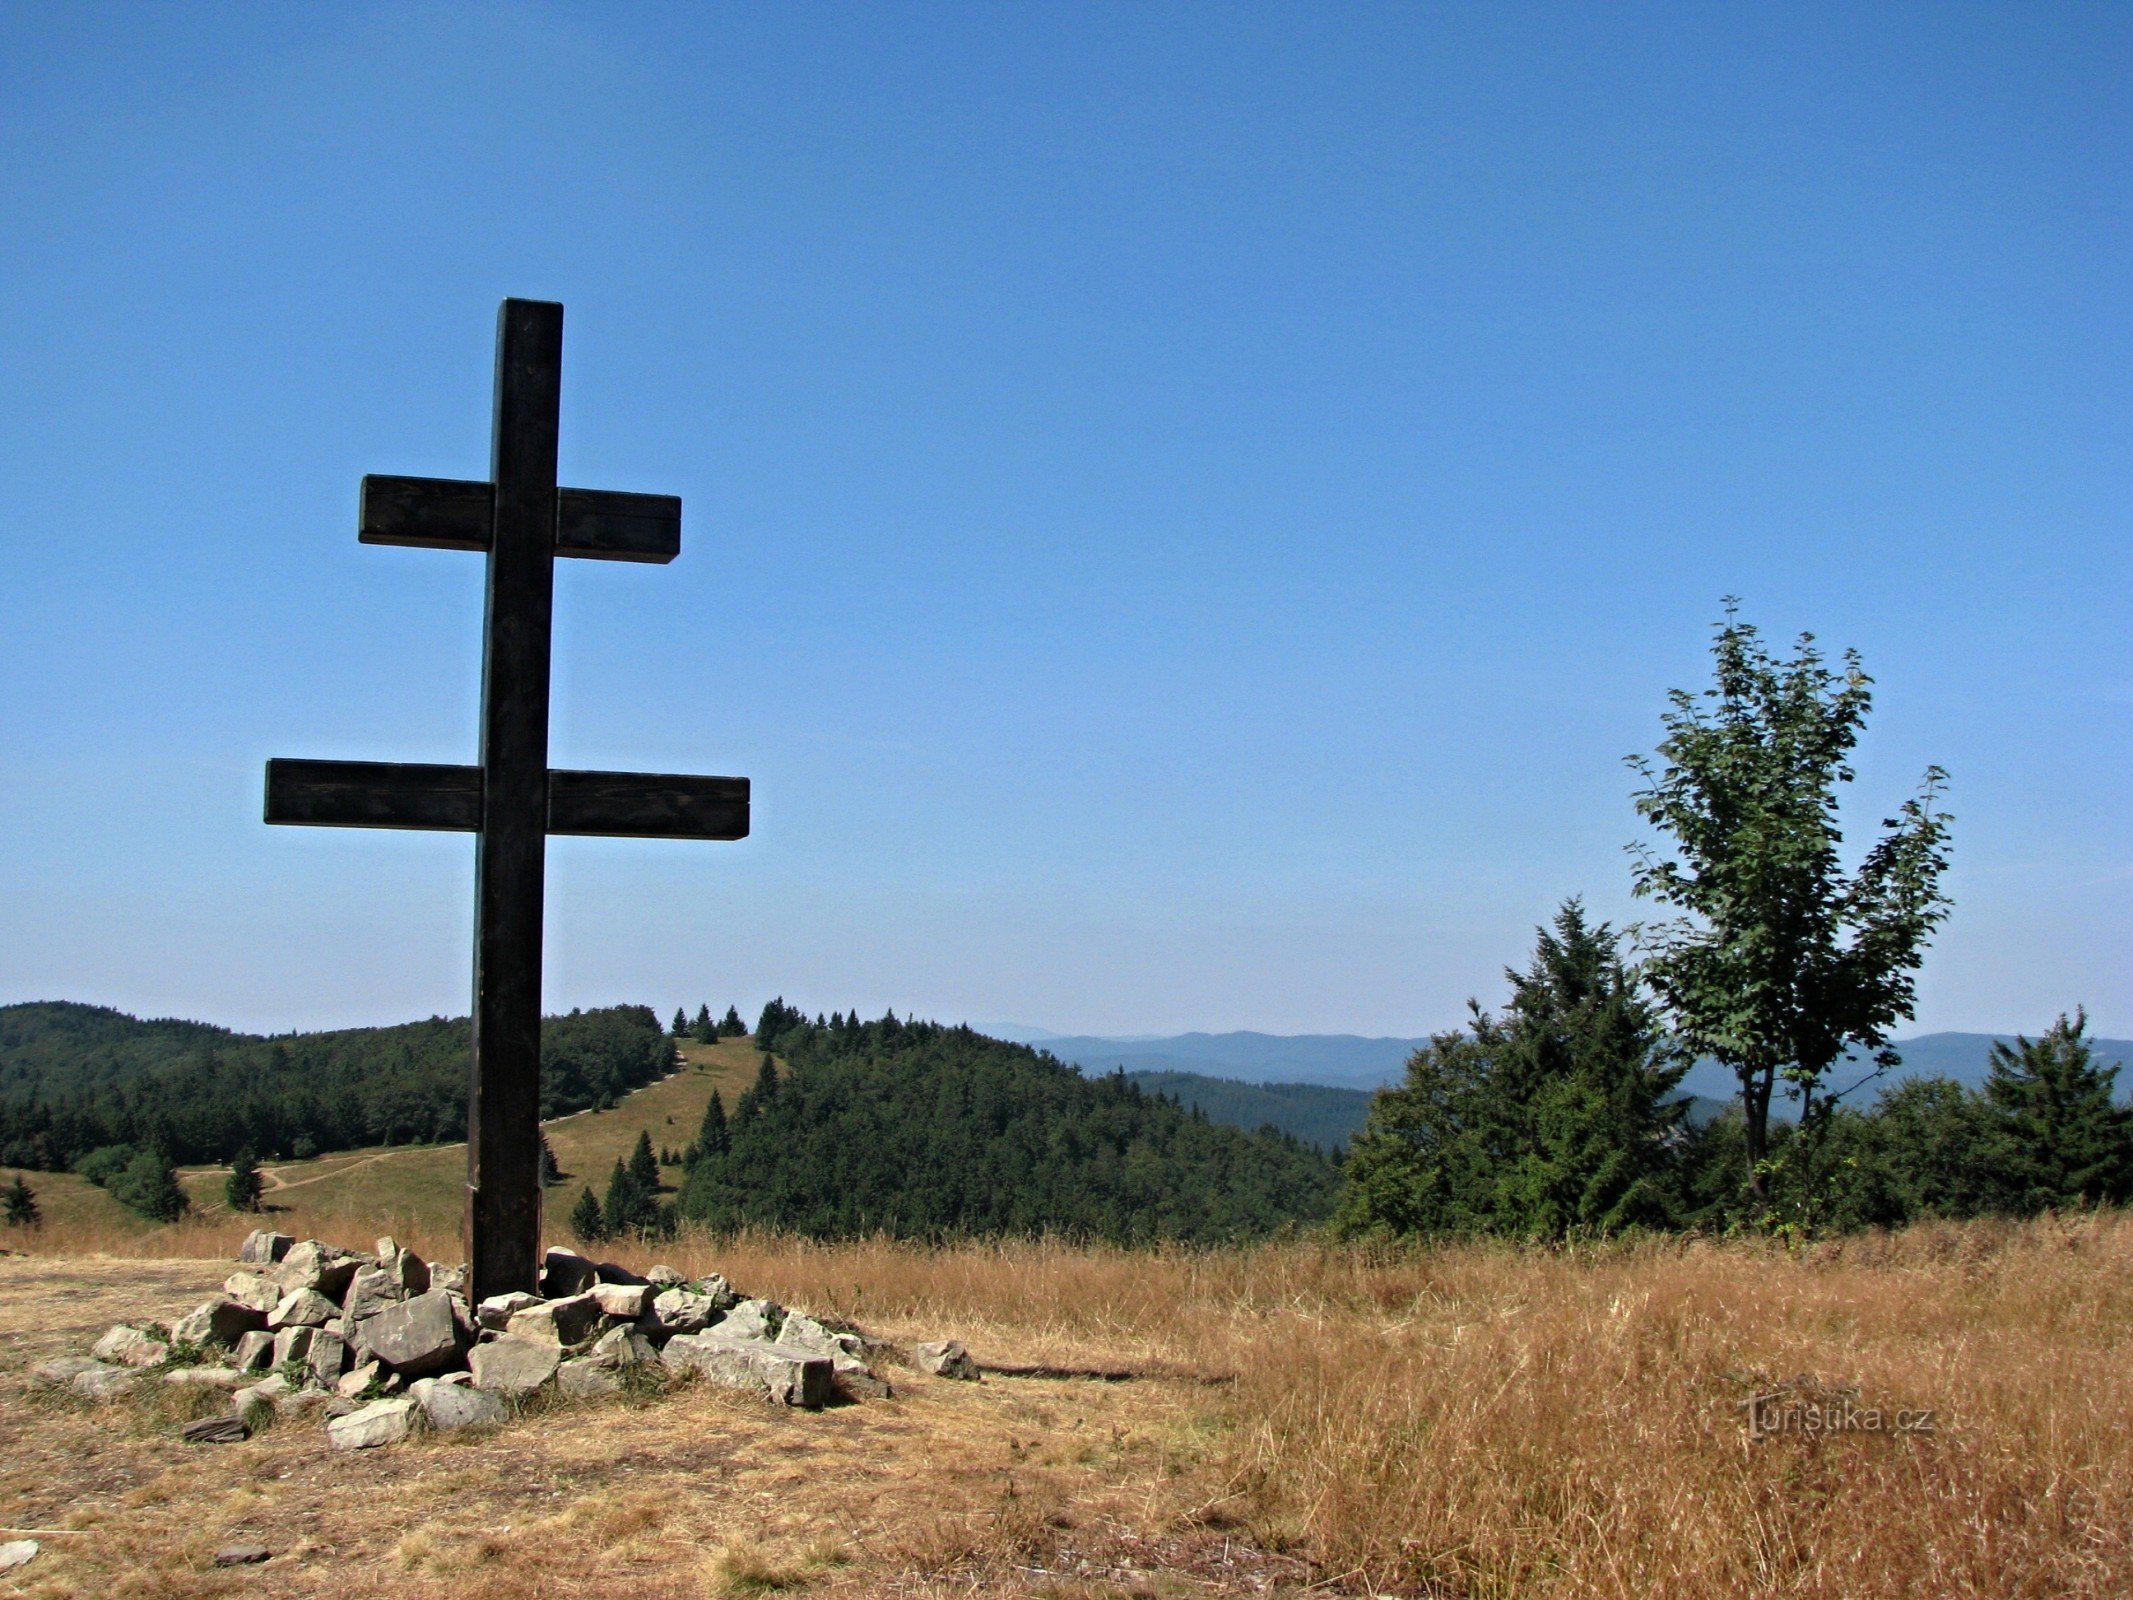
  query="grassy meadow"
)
[{"x": 1472, "y": 1420}]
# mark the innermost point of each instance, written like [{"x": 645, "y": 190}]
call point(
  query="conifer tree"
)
[
  {"x": 149, "y": 1188},
  {"x": 704, "y": 1030},
  {"x": 730, "y": 1026},
  {"x": 1551, "y": 1118},
  {"x": 644, "y": 1166},
  {"x": 551, "y": 1171},
  {"x": 681, "y": 1022},
  {"x": 712, "y": 1138},
  {"x": 629, "y": 1207},
  {"x": 20, "y": 1202},
  {"x": 242, "y": 1187},
  {"x": 585, "y": 1218},
  {"x": 2060, "y": 1138}
]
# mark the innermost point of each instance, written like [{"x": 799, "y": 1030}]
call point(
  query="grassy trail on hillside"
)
[{"x": 416, "y": 1192}]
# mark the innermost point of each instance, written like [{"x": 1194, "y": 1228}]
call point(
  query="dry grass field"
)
[{"x": 1456, "y": 1422}]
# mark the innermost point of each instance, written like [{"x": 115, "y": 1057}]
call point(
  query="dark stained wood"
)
[
  {"x": 433, "y": 513},
  {"x": 512, "y": 801},
  {"x": 455, "y": 514},
  {"x": 374, "y": 794},
  {"x": 614, "y": 525},
  {"x": 510, "y": 863},
  {"x": 643, "y": 805}
]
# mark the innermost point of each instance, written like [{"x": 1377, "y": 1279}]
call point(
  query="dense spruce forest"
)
[
  {"x": 76, "y": 1080},
  {"x": 1316, "y": 1113},
  {"x": 922, "y": 1130}
]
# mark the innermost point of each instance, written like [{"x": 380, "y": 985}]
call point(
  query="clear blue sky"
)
[{"x": 1186, "y": 507}]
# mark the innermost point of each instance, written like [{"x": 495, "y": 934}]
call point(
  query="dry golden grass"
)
[{"x": 1465, "y": 1421}]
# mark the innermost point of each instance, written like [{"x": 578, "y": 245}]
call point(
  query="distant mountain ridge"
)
[{"x": 1350, "y": 1061}]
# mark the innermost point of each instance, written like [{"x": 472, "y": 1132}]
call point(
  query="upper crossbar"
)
[{"x": 455, "y": 514}]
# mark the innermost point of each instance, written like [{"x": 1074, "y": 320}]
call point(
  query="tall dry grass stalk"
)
[{"x": 1481, "y": 1420}]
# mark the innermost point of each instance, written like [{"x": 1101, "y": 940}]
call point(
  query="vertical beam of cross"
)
[
  {"x": 512, "y": 801},
  {"x": 504, "y": 1103}
]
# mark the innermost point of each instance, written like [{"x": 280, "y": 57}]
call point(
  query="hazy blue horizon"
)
[{"x": 1186, "y": 509}]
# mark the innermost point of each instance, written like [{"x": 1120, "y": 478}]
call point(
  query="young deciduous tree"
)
[
  {"x": 242, "y": 1187},
  {"x": 20, "y": 1203},
  {"x": 1780, "y": 961}
]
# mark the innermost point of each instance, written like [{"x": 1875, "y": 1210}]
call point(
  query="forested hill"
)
[
  {"x": 1314, "y": 1112},
  {"x": 926, "y": 1131},
  {"x": 76, "y": 1078}
]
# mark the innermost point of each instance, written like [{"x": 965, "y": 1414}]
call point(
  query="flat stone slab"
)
[
  {"x": 587, "y": 1379},
  {"x": 216, "y": 1430},
  {"x": 222, "y": 1321},
  {"x": 628, "y": 1301},
  {"x": 380, "y": 1422},
  {"x": 450, "y": 1406},
  {"x": 777, "y": 1372},
  {"x": 101, "y": 1383},
  {"x": 207, "y": 1378},
  {"x": 559, "y": 1322},
  {"x": 416, "y": 1337},
  {"x": 129, "y": 1347},
  {"x": 512, "y": 1365},
  {"x": 497, "y": 1311}
]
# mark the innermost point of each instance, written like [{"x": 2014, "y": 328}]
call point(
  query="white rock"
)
[
  {"x": 266, "y": 1392},
  {"x": 129, "y": 1347},
  {"x": 252, "y": 1289},
  {"x": 497, "y": 1311},
  {"x": 629, "y": 1301},
  {"x": 558, "y": 1322},
  {"x": 380, "y": 1422},
  {"x": 450, "y": 1405},
  {"x": 205, "y": 1378},
  {"x": 102, "y": 1383},
  {"x": 586, "y": 1379},
  {"x": 624, "y": 1347},
  {"x": 254, "y": 1351},
  {"x": 264, "y": 1247},
  {"x": 17, "y": 1552},
  {"x": 512, "y": 1365},
  {"x": 751, "y": 1319},
  {"x": 945, "y": 1358},
  {"x": 789, "y": 1377}
]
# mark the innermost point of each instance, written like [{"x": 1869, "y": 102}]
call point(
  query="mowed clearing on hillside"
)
[
  {"x": 417, "y": 1192},
  {"x": 1460, "y": 1421}
]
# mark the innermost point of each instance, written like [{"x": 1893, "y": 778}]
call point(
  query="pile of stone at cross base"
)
[{"x": 384, "y": 1343}]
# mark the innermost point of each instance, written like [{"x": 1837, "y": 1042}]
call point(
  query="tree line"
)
[
  {"x": 95, "y": 1091},
  {"x": 1560, "y": 1115},
  {"x": 923, "y": 1130}
]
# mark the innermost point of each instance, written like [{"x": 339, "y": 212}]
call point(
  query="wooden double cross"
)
[{"x": 512, "y": 800}]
